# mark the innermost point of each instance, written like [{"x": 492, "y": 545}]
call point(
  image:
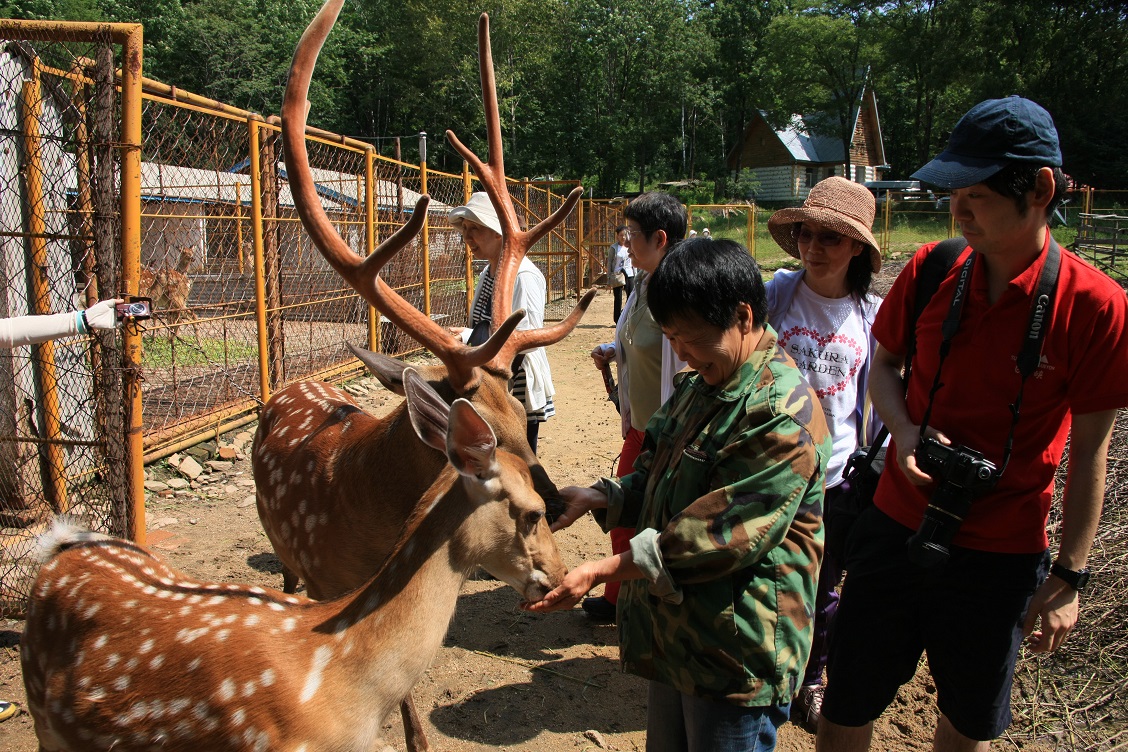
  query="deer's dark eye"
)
[{"x": 532, "y": 518}]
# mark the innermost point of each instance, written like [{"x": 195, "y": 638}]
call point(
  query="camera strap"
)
[{"x": 1030, "y": 353}]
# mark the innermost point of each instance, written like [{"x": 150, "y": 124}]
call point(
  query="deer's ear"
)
[
  {"x": 429, "y": 414},
  {"x": 388, "y": 370},
  {"x": 471, "y": 444}
]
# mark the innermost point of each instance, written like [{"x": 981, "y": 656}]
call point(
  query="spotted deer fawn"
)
[
  {"x": 170, "y": 289},
  {"x": 332, "y": 525},
  {"x": 120, "y": 652}
]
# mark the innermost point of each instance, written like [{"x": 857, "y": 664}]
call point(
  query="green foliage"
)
[
  {"x": 743, "y": 187},
  {"x": 636, "y": 92}
]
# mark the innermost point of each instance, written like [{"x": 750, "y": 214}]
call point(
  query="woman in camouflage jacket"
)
[{"x": 719, "y": 583}]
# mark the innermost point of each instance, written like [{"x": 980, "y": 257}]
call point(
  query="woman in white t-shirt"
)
[{"x": 823, "y": 314}]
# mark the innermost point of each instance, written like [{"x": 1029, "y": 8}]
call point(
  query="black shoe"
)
[
  {"x": 807, "y": 708},
  {"x": 599, "y": 609}
]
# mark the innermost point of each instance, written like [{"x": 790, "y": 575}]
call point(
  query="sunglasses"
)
[{"x": 826, "y": 238}]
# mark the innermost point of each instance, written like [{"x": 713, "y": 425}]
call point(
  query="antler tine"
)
[
  {"x": 527, "y": 339},
  {"x": 516, "y": 241},
  {"x": 363, "y": 275},
  {"x": 492, "y": 176}
]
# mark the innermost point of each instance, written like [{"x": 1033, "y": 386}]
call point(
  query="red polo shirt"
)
[{"x": 1084, "y": 368}]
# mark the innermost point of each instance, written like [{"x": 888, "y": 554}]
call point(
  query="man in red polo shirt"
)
[{"x": 953, "y": 559}]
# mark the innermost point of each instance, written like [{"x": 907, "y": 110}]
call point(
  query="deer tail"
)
[{"x": 64, "y": 534}]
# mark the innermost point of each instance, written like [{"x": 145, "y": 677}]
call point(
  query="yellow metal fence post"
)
[
  {"x": 467, "y": 190},
  {"x": 370, "y": 237},
  {"x": 580, "y": 256},
  {"x": 253, "y": 125},
  {"x": 750, "y": 223},
  {"x": 43, "y": 355},
  {"x": 131, "y": 267},
  {"x": 426, "y": 229}
]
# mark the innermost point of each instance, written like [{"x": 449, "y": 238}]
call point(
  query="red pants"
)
[{"x": 621, "y": 536}]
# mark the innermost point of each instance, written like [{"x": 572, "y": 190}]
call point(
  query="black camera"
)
[
  {"x": 136, "y": 308},
  {"x": 961, "y": 474}
]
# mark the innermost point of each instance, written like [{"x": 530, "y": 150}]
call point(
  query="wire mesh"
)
[
  {"x": 61, "y": 405},
  {"x": 197, "y": 264},
  {"x": 601, "y": 217}
]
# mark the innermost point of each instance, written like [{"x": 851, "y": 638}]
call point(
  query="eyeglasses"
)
[{"x": 826, "y": 238}]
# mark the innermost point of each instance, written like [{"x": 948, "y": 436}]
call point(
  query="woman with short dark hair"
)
[{"x": 719, "y": 580}]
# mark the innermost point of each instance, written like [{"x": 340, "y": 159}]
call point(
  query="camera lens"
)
[{"x": 983, "y": 473}]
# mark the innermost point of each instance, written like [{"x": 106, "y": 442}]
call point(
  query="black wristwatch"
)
[{"x": 1076, "y": 580}]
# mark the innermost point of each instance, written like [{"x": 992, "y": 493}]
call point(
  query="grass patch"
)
[{"x": 163, "y": 352}]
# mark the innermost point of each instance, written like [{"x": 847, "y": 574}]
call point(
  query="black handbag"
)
[{"x": 863, "y": 471}]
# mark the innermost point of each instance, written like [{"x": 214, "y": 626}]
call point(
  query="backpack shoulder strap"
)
[{"x": 933, "y": 270}]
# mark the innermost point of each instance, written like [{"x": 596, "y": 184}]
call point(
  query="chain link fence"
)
[
  {"x": 64, "y": 410},
  {"x": 112, "y": 184}
]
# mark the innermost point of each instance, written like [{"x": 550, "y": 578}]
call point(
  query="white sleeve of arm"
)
[
  {"x": 529, "y": 292},
  {"x": 31, "y": 330}
]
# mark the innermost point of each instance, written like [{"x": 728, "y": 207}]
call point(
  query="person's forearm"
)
[
  {"x": 616, "y": 568},
  {"x": 1083, "y": 497},
  {"x": 887, "y": 391},
  {"x": 32, "y": 330}
]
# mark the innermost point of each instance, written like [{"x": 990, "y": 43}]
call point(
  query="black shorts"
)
[{"x": 966, "y": 615}]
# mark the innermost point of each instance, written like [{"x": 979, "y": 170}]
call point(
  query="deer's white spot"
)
[
  {"x": 101, "y": 642},
  {"x": 121, "y": 683},
  {"x": 157, "y": 662},
  {"x": 267, "y": 678},
  {"x": 187, "y": 636},
  {"x": 226, "y": 690},
  {"x": 321, "y": 658},
  {"x": 238, "y": 717},
  {"x": 251, "y": 620},
  {"x": 289, "y": 623},
  {"x": 146, "y": 646}
]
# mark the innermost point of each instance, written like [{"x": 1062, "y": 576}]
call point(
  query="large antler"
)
[
  {"x": 363, "y": 274},
  {"x": 517, "y": 242}
]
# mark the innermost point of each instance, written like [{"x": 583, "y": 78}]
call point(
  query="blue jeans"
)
[{"x": 678, "y": 722}]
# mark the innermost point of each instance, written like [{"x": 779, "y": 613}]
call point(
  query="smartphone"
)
[{"x": 135, "y": 308}]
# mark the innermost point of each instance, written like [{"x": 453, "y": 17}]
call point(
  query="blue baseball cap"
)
[{"x": 990, "y": 136}]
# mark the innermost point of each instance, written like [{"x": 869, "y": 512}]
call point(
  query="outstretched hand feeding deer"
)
[
  {"x": 123, "y": 653},
  {"x": 335, "y": 485}
]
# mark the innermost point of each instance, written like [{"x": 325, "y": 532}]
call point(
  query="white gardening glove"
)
[{"x": 102, "y": 315}]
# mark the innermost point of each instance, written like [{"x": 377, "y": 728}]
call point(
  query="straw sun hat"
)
[{"x": 837, "y": 204}]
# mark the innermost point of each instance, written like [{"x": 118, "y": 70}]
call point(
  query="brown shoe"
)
[{"x": 807, "y": 707}]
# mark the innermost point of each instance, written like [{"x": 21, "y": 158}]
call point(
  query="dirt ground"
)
[{"x": 504, "y": 678}]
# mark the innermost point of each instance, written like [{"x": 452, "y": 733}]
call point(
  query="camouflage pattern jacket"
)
[{"x": 727, "y": 497}]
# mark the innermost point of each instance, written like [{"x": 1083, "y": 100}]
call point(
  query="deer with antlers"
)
[
  {"x": 334, "y": 483},
  {"x": 120, "y": 652}
]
